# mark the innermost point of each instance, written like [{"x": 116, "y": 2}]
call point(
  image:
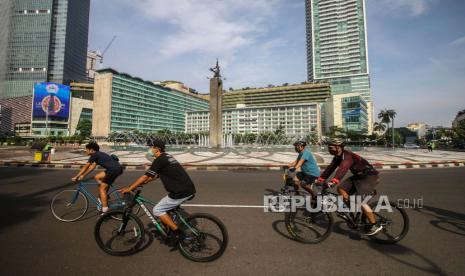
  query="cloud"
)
[
  {"x": 458, "y": 42},
  {"x": 412, "y": 7},
  {"x": 208, "y": 26}
]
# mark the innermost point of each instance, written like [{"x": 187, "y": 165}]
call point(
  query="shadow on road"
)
[
  {"x": 408, "y": 257},
  {"x": 445, "y": 220},
  {"x": 279, "y": 227}
]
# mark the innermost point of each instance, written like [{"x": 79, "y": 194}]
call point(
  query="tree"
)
[
  {"x": 459, "y": 131},
  {"x": 84, "y": 128},
  {"x": 336, "y": 132},
  {"x": 379, "y": 127},
  {"x": 387, "y": 116}
]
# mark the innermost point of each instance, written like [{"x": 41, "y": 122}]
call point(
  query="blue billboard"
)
[{"x": 51, "y": 98}]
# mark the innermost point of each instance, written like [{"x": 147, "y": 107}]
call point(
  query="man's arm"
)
[
  {"x": 140, "y": 181},
  {"x": 84, "y": 171},
  {"x": 343, "y": 168},
  {"x": 329, "y": 170},
  {"x": 292, "y": 164},
  {"x": 299, "y": 164},
  {"x": 89, "y": 170}
]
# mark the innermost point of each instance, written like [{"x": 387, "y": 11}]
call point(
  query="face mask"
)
[{"x": 150, "y": 156}]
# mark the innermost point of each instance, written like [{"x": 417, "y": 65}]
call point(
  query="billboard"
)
[{"x": 51, "y": 98}]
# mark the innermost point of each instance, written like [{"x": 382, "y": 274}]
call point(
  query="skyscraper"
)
[
  {"x": 337, "y": 52},
  {"x": 42, "y": 40}
]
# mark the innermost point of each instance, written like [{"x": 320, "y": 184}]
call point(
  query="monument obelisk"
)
[{"x": 216, "y": 108}]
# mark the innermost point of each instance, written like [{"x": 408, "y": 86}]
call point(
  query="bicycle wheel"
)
[
  {"x": 118, "y": 234},
  {"x": 69, "y": 205},
  {"x": 206, "y": 238},
  {"x": 308, "y": 227},
  {"x": 395, "y": 224}
]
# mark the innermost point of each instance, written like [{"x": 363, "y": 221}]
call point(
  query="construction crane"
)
[{"x": 106, "y": 49}]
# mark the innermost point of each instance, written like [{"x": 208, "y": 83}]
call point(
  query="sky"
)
[{"x": 416, "y": 48}]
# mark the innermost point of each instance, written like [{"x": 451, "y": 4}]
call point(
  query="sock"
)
[{"x": 104, "y": 209}]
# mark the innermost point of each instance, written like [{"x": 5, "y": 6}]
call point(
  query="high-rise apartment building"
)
[
  {"x": 337, "y": 50},
  {"x": 42, "y": 41}
]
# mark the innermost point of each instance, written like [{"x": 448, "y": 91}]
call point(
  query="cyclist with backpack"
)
[
  {"x": 363, "y": 180},
  {"x": 112, "y": 167}
]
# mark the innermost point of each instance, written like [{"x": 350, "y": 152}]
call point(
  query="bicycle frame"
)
[
  {"x": 141, "y": 201},
  {"x": 82, "y": 188}
]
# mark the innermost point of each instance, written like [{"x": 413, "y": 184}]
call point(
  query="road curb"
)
[{"x": 230, "y": 167}]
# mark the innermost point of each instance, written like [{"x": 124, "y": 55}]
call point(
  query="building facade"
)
[
  {"x": 123, "y": 103},
  {"x": 15, "y": 111},
  {"x": 82, "y": 101},
  {"x": 337, "y": 49},
  {"x": 279, "y": 95},
  {"x": 419, "y": 128},
  {"x": 94, "y": 59},
  {"x": 350, "y": 112},
  {"x": 296, "y": 120},
  {"x": 42, "y": 41}
]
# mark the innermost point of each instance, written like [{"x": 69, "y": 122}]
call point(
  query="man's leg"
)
[
  {"x": 103, "y": 189},
  {"x": 296, "y": 184},
  {"x": 364, "y": 187},
  {"x": 164, "y": 205}
]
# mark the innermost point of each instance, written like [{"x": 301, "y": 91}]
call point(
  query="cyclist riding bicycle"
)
[
  {"x": 363, "y": 180},
  {"x": 306, "y": 166},
  {"x": 175, "y": 180},
  {"x": 105, "y": 179}
]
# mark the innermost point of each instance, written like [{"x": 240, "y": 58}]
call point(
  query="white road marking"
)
[{"x": 223, "y": 206}]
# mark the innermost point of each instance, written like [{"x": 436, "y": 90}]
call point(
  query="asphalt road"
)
[{"x": 33, "y": 242}]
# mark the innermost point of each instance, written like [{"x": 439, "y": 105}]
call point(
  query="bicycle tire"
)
[
  {"x": 387, "y": 225},
  {"x": 197, "y": 241},
  {"x": 301, "y": 220},
  {"x": 73, "y": 211},
  {"x": 132, "y": 236}
]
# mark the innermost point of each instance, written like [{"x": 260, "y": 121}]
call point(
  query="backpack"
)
[{"x": 115, "y": 157}]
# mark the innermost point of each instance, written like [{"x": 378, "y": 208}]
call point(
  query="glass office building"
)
[
  {"x": 337, "y": 49},
  {"x": 42, "y": 41},
  {"x": 354, "y": 113},
  {"x": 124, "y": 103}
]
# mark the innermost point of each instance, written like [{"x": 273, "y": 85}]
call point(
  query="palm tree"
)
[
  {"x": 384, "y": 121},
  {"x": 379, "y": 127},
  {"x": 392, "y": 113}
]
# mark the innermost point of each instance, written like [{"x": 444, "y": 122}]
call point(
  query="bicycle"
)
[
  {"x": 313, "y": 227},
  {"x": 125, "y": 235},
  {"x": 71, "y": 205}
]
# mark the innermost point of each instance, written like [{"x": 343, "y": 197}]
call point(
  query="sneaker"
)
[{"x": 374, "y": 230}]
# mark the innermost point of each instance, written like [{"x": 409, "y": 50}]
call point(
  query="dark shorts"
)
[
  {"x": 306, "y": 179},
  {"x": 363, "y": 186},
  {"x": 110, "y": 176}
]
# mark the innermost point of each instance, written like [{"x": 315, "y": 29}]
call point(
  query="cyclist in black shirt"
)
[
  {"x": 112, "y": 167},
  {"x": 174, "y": 178}
]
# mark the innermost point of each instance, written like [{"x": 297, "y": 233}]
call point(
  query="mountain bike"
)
[
  {"x": 122, "y": 233},
  {"x": 315, "y": 226},
  {"x": 71, "y": 205}
]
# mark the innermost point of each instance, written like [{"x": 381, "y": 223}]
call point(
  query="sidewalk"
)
[{"x": 244, "y": 159}]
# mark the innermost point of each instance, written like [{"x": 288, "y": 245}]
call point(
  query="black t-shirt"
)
[
  {"x": 173, "y": 176},
  {"x": 105, "y": 160}
]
